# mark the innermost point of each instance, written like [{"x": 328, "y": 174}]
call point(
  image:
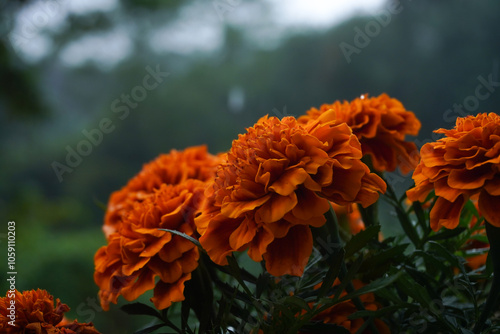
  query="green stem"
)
[
  {"x": 493, "y": 234},
  {"x": 333, "y": 226}
]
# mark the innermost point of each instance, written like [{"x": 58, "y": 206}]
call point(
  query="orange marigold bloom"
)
[
  {"x": 275, "y": 184},
  {"x": 35, "y": 313},
  {"x": 138, "y": 252},
  {"x": 463, "y": 163},
  {"x": 381, "y": 124},
  {"x": 172, "y": 168},
  {"x": 338, "y": 314}
]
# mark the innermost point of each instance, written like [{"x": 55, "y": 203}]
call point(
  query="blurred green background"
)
[{"x": 65, "y": 66}]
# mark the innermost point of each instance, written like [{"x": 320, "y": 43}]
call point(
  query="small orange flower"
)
[
  {"x": 173, "y": 168},
  {"x": 275, "y": 184},
  {"x": 138, "y": 252},
  {"x": 338, "y": 314},
  {"x": 349, "y": 216},
  {"x": 463, "y": 163},
  {"x": 34, "y": 312},
  {"x": 381, "y": 124}
]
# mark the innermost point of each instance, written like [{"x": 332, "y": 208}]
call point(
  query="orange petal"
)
[
  {"x": 274, "y": 209},
  {"x": 446, "y": 213},
  {"x": 165, "y": 294},
  {"x": 289, "y": 255},
  {"x": 145, "y": 282},
  {"x": 288, "y": 181},
  {"x": 470, "y": 179},
  {"x": 236, "y": 209},
  {"x": 493, "y": 186},
  {"x": 243, "y": 234},
  {"x": 215, "y": 241},
  {"x": 488, "y": 206},
  {"x": 309, "y": 205}
]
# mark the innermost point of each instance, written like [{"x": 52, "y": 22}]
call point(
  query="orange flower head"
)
[
  {"x": 463, "y": 163},
  {"x": 381, "y": 124},
  {"x": 275, "y": 184},
  {"x": 34, "y": 312},
  {"x": 139, "y": 252},
  {"x": 172, "y": 168}
]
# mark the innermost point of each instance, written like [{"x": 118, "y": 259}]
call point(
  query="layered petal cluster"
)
[
  {"x": 275, "y": 184},
  {"x": 463, "y": 163},
  {"x": 172, "y": 168},
  {"x": 339, "y": 313},
  {"x": 35, "y": 313},
  {"x": 140, "y": 257},
  {"x": 381, "y": 124}
]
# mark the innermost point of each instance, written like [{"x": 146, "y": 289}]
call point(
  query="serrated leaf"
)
[
  {"x": 333, "y": 272},
  {"x": 141, "y": 309},
  {"x": 413, "y": 290},
  {"x": 296, "y": 301},
  {"x": 372, "y": 287},
  {"x": 381, "y": 260},
  {"x": 446, "y": 234},
  {"x": 360, "y": 240},
  {"x": 380, "y": 312}
]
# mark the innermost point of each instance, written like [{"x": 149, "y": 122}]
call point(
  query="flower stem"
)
[
  {"x": 493, "y": 234},
  {"x": 333, "y": 226}
]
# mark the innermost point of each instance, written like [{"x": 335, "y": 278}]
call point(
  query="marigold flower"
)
[
  {"x": 35, "y": 313},
  {"x": 172, "y": 168},
  {"x": 463, "y": 163},
  {"x": 139, "y": 252},
  {"x": 275, "y": 184},
  {"x": 338, "y": 314},
  {"x": 381, "y": 124}
]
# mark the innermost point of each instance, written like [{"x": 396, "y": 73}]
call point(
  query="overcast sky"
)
[{"x": 198, "y": 27}]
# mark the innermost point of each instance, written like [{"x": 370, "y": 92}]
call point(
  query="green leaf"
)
[
  {"x": 446, "y": 234},
  {"x": 408, "y": 226},
  {"x": 150, "y": 329},
  {"x": 379, "y": 263},
  {"x": 141, "y": 309},
  {"x": 333, "y": 271},
  {"x": 360, "y": 240},
  {"x": 372, "y": 287},
  {"x": 380, "y": 312},
  {"x": 347, "y": 278},
  {"x": 184, "y": 235},
  {"x": 421, "y": 217}
]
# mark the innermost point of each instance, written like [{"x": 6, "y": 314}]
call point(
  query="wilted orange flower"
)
[
  {"x": 138, "y": 252},
  {"x": 34, "y": 312},
  {"x": 338, "y": 314},
  {"x": 463, "y": 163},
  {"x": 172, "y": 168},
  {"x": 275, "y": 184},
  {"x": 381, "y": 124}
]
